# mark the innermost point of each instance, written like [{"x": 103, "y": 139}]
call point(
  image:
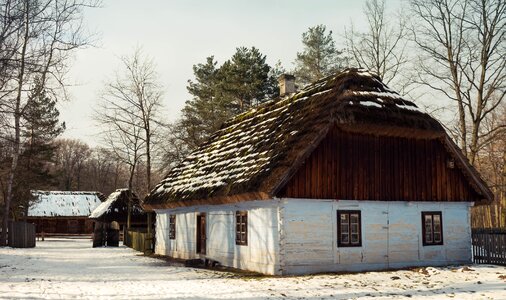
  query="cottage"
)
[
  {"x": 115, "y": 208},
  {"x": 63, "y": 211},
  {"x": 344, "y": 175}
]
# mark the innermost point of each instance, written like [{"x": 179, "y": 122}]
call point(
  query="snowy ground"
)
[{"x": 65, "y": 269}]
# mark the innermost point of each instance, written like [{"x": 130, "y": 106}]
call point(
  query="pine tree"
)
[
  {"x": 246, "y": 80},
  {"x": 41, "y": 127},
  {"x": 41, "y": 119},
  {"x": 207, "y": 109},
  {"x": 218, "y": 93},
  {"x": 319, "y": 57}
]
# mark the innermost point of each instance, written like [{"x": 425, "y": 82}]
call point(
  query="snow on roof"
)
[
  {"x": 105, "y": 206},
  {"x": 64, "y": 203},
  {"x": 116, "y": 204},
  {"x": 255, "y": 151}
]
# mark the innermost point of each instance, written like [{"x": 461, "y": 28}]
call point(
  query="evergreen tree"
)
[
  {"x": 246, "y": 80},
  {"x": 319, "y": 57},
  {"x": 218, "y": 93},
  {"x": 42, "y": 126},
  {"x": 42, "y": 119},
  {"x": 207, "y": 109}
]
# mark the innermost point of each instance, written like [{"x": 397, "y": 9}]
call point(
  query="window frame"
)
[
  {"x": 424, "y": 231},
  {"x": 172, "y": 227},
  {"x": 340, "y": 243},
  {"x": 241, "y": 221}
]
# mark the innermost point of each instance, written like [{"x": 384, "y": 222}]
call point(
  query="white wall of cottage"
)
[
  {"x": 298, "y": 236},
  {"x": 259, "y": 255}
]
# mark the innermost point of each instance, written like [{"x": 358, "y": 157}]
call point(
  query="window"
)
[
  {"x": 172, "y": 227},
  {"x": 241, "y": 228},
  {"x": 432, "y": 228},
  {"x": 348, "y": 228}
]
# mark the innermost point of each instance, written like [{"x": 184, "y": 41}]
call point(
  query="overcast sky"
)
[{"x": 179, "y": 34}]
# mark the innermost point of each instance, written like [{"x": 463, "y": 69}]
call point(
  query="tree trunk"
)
[
  {"x": 130, "y": 189},
  {"x": 148, "y": 159},
  {"x": 17, "y": 131}
]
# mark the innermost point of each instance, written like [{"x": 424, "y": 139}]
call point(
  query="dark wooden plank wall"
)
[
  {"x": 77, "y": 225},
  {"x": 366, "y": 167}
]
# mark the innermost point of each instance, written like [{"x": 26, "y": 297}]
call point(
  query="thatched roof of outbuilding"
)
[
  {"x": 255, "y": 153},
  {"x": 115, "y": 207}
]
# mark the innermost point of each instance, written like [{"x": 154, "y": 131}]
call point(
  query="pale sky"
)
[{"x": 180, "y": 34}]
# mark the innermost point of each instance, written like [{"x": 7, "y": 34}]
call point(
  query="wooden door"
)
[{"x": 201, "y": 233}]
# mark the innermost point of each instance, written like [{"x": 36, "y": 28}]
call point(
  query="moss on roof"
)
[{"x": 255, "y": 151}]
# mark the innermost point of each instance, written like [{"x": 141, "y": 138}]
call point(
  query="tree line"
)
[{"x": 432, "y": 49}]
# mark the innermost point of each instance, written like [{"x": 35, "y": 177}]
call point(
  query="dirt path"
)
[{"x": 69, "y": 269}]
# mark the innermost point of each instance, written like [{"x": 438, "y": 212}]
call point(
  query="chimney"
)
[{"x": 286, "y": 84}]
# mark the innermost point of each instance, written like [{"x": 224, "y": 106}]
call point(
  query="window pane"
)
[
  {"x": 354, "y": 228},
  {"x": 344, "y": 218},
  {"x": 353, "y": 218},
  {"x": 428, "y": 228},
  {"x": 428, "y": 237},
  {"x": 345, "y": 238},
  {"x": 354, "y": 238},
  {"x": 428, "y": 233},
  {"x": 437, "y": 228},
  {"x": 345, "y": 228},
  {"x": 437, "y": 237},
  {"x": 437, "y": 223}
]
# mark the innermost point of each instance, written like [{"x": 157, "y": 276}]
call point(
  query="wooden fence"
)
[
  {"x": 489, "y": 246},
  {"x": 138, "y": 239},
  {"x": 21, "y": 235}
]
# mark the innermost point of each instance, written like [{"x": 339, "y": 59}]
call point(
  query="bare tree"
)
[
  {"x": 37, "y": 44},
  {"x": 382, "y": 48},
  {"x": 104, "y": 171},
  {"x": 136, "y": 92},
  {"x": 71, "y": 156},
  {"x": 464, "y": 44},
  {"x": 491, "y": 161},
  {"x": 122, "y": 134},
  {"x": 80, "y": 167}
]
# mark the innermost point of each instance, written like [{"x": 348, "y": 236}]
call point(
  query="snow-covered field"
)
[{"x": 67, "y": 268}]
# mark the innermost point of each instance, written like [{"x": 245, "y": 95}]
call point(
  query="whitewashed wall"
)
[
  {"x": 261, "y": 253},
  {"x": 391, "y": 236},
  {"x": 295, "y": 236}
]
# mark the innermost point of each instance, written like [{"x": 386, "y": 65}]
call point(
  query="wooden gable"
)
[{"x": 353, "y": 166}]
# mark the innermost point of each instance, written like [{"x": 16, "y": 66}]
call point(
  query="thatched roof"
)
[
  {"x": 64, "y": 203},
  {"x": 115, "y": 207},
  {"x": 254, "y": 154}
]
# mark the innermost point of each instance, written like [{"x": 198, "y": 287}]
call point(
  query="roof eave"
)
[
  {"x": 469, "y": 171},
  {"x": 228, "y": 199}
]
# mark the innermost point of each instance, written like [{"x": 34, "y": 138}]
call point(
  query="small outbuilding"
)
[
  {"x": 344, "y": 175},
  {"x": 64, "y": 212},
  {"x": 115, "y": 208}
]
